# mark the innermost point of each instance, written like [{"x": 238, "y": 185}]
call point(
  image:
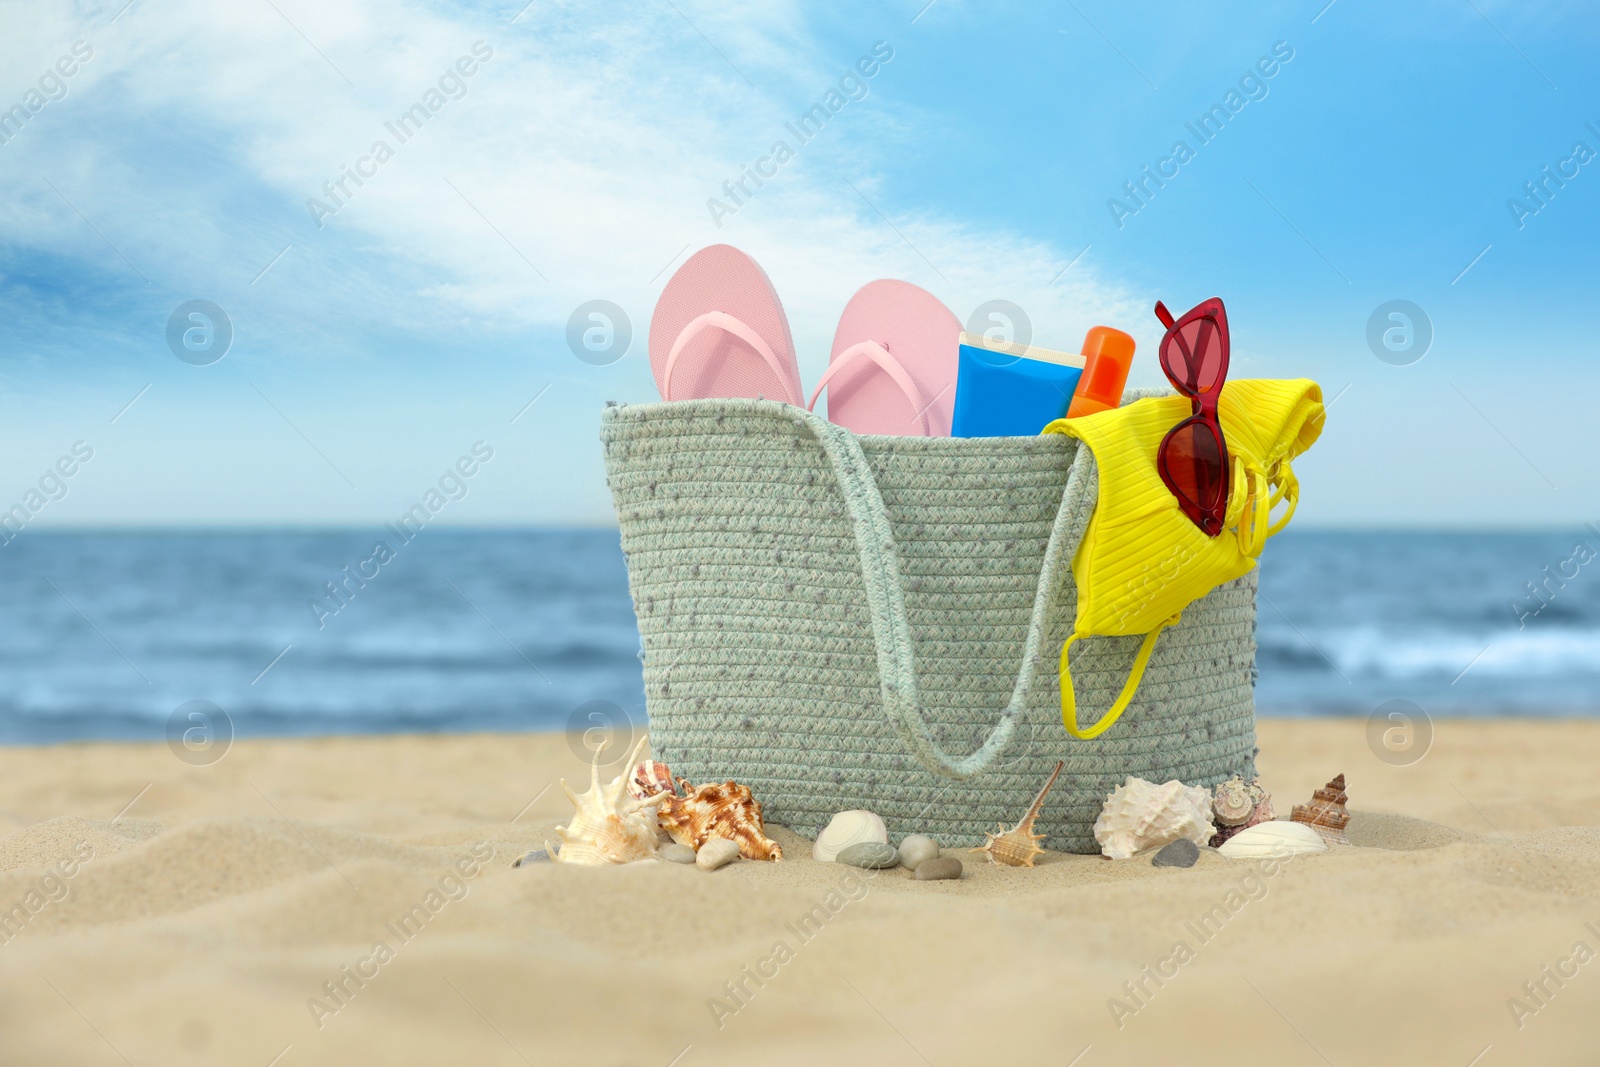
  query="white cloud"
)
[{"x": 590, "y": 142}]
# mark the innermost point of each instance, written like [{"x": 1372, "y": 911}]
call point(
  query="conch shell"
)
[
  {"x": 727, "y": 811},
  {"x": 1326, "y": 813},
  {"x": 1140, "y": 815},
  {"x": 609, "y": 827},
  {"x": 648, "y": 779},
  {"x": 1272, "y": 840},
  {"x": 845, "y": 829},
  {"x": 1018, "y": 846},
  {"x": 1236, "y": 796}
]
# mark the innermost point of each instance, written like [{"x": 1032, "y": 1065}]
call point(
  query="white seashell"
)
[
  {"x": 848, "y": 828},
  {"x": 609, "y": 826},
  {"x": 1272, "y": 840},
  {"x": 1139, "y": 815}
]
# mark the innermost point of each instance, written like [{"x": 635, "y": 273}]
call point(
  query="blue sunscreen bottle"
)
[{"x": 1010, "y": 390}]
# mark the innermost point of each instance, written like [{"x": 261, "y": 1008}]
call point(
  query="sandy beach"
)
[{"x": 225, "y": 914}]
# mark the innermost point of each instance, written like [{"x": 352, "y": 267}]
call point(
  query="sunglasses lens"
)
[
  {"x": 1192, "y": 460},
  {"x": 1193, "y": 355}
]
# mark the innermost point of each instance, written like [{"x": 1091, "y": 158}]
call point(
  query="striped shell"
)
[
  {"x": 1326, "y": 814},
  {"x": 709, "y": 811},
  {"x": 648, "y": 779}
]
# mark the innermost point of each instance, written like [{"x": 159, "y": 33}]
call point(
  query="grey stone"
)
[
  {"x": 1179, "y": 853},
  {"x": 938, "y": 869},
  {"x": 676, "y": 853},
  {"x": 718, "y": 852},
  {"x": 917, "y": 849},
  {"x": 873, "y": 855},
  {"x": 536, "y": 856}
]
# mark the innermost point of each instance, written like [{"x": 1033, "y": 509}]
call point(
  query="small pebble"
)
[
  {"x": 873, "y": 855},
  {"x": 718, "y": 852},
  {"x": 1179, "y": 853},
  {"x": 917, "y": 849},
  {"x": 676, "y": 853},
  {"x": 938, "y": 869},
  {"x": 536, "y": 856}
]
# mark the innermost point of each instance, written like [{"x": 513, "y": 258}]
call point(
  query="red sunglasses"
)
[{"x": 1193, "y": 458}]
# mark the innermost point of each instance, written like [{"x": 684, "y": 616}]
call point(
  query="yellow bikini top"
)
[{"x": 1142, "y": 561}]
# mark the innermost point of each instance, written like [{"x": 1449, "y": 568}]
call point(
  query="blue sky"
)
[{"x": 371, "y": 352}]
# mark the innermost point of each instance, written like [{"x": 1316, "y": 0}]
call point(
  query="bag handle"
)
[{"x": 891, "y": 630}]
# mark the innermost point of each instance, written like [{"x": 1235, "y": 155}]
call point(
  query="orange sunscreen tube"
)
[{"x": 1108, "y": 354}]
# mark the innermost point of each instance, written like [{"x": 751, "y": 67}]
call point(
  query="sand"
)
[{"x": 214, "y": 907}]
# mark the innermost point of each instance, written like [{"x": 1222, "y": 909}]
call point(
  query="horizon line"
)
[{"x": 226, "y": 526}]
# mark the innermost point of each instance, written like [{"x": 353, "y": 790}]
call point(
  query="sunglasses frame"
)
[{"x": 1209, "y": 519}]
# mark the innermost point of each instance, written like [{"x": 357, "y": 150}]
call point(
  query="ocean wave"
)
[{"x": 1544, "y": 653}]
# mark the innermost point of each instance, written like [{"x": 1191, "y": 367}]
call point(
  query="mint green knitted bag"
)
[{"x": 848, "y": 622}]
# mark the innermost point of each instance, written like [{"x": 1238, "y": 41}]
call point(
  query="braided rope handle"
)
[{"x": 891, "y": 629}]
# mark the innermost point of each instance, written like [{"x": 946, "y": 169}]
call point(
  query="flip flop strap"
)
[
  {"x": 725, "y": 322},
  {"x": 878, "y": 354}
]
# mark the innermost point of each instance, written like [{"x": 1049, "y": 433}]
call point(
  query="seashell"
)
[
  {"x": 725, "y": 811},
  {"x": 1232, "y": 804},
  {"x": 1260, "y": 812},
  {"x": 1140, "y": 815},
  {"x": 1326, "y": 814},
  {"x": 610, "y": 826},
  {"x": 1273, "y": 840},
  {"x": 648, "y": 779},
  {"x": 847, "y": 828},
  {"x": 1018, "y": 846}
]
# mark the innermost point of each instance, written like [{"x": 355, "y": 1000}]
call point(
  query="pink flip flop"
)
[
  {"x": 719, "y": 331},
  {"x": 893, "y": 368}
]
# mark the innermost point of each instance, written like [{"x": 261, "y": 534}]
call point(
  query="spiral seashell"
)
[
  {"x": 1326, "y": 814},
  {"x": 1140, "y": 815},
  {"x": 848, "y": 828},
  {"x": 1233, "y": 805},
  {"x": 1260, "y": 812},
  {"x": 648, "y": 779}
]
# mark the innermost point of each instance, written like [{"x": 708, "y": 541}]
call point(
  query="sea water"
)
[{"x": 106, "y": 635}]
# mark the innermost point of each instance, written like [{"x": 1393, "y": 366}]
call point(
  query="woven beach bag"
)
[{"x": 846, "y": 622}]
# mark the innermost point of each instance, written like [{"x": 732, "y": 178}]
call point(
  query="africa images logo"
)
[{"x": 1252, "y": 86}]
